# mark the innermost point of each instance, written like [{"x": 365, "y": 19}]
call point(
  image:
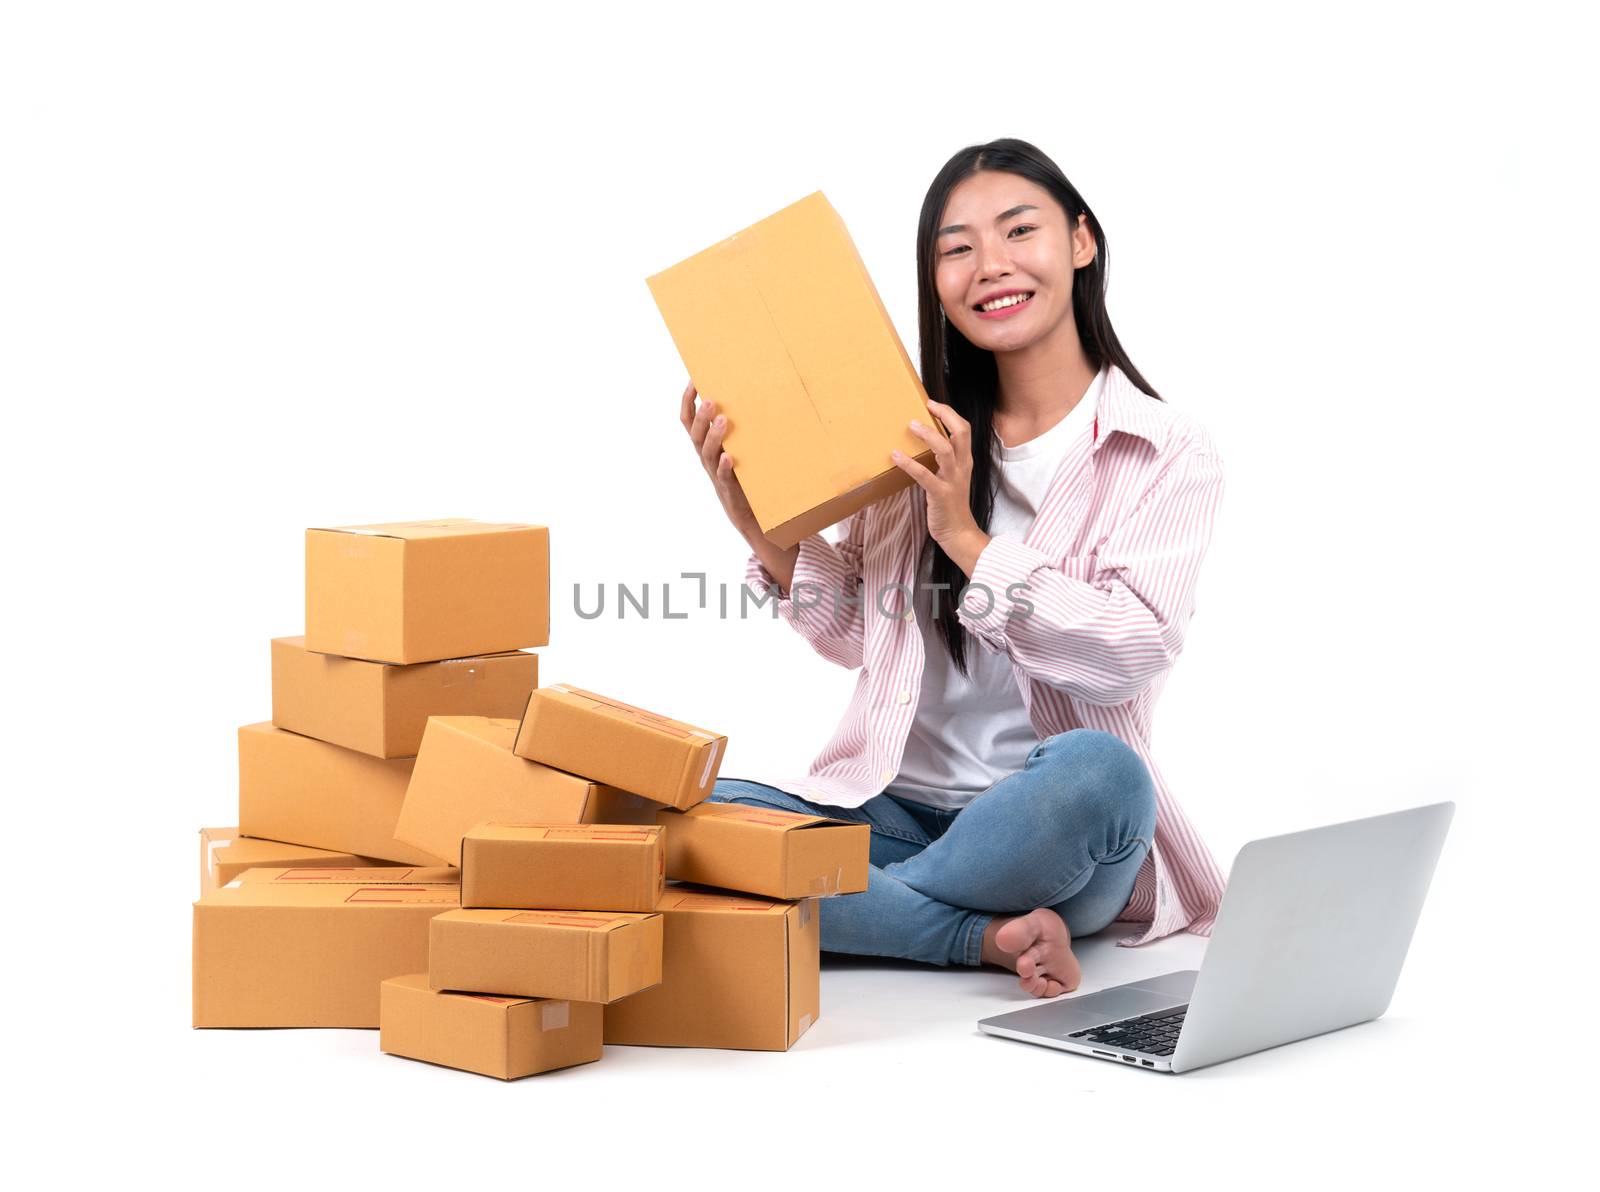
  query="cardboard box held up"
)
[
  {"x": 736, "y": 972},
  {"x": 466, "y": 774},
  {"x": 616, "y": 743},
  {"x": 224, "y": 855},
  {"x": 281, "y": 954},
  {"x": 309, "y": 792},
  {"x": 588, "y": 956},
  {"x": 575, "y": 867},
  {"x": 410, "y": 592},
  {"x": 781, "y": 326},
  {"x": 506, "y": 1037},
  {"x": 759, "y": 850},
  {"x": 379, "y": 708}
]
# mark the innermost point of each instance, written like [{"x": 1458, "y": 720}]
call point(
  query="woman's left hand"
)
[{"x": 949, "y": 490}]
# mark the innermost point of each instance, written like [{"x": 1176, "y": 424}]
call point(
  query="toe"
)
[{"x": 1016, "y": 935}]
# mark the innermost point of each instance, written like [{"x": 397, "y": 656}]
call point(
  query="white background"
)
[{"x": 268, "y": 266}]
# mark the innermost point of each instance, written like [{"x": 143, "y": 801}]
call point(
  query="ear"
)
[{"x": 1083, "y": 245}]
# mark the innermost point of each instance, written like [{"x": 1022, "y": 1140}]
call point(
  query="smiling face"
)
[{"x": 1001, "y": 234}]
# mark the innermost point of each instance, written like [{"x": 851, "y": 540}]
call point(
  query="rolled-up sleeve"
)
[
  {"x": 1104, "y": 626},
  {"x": 824, "y": 603}
]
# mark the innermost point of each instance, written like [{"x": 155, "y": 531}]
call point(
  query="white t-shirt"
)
[{"x": 970, "y": 732}]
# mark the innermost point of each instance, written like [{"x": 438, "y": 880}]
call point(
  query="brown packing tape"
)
[
  {"x": 460, "y": 675},
  {"x": 827, "y": 883},
  {"x": 710, "y": 764}
]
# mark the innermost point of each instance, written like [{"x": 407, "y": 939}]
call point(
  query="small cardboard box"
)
[
  {"x": 339, "y": 875},
  {"x": 616, "y": 743},
  {"x": 574, "y": 867},
  {"x": 276, "y": 954},
  {"x": 736, "y": 972},
  {"x": 781, "y": 326},
  {"x": 760, "y": 850},
  {"x": 299, "y": 789},
  {"x": 588, "y": 956},
  {"x": 224, "y": 854},
  {"x": 466, "y": 774},
  {"x": 421, "y": 591},
  {"x": 507, "y": 1037},
  {"x": 380, "y": 708}
]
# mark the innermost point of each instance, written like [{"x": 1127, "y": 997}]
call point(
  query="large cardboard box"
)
[
  {"x": 224, "y": 854},
  {"x": 588, "y": 956},
  {"x": 299, "y": 789},
  {"x": 616, "y": 743},
  {"x": 466, "y": 774},
  {"x": 276, "y": 954},
  {"x": 781, "y": 326},
  {"x": 760, "y": 850},
  {"x": 421, "y": 591},
  {"x": 506, "y": 1037},
  {"x": 380, "y": 708},
  {"x": 736, "y": 972},
  {"x": 574, "y": 867}
]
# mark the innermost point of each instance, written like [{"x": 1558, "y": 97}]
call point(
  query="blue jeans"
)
[{"x": 1068, "y": 831}]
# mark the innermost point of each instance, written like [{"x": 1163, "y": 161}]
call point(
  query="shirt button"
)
[
  {"x": 908, "y": 614},
  {"x": 886, "y": 775},
  {"x": 905, "y": 696}
]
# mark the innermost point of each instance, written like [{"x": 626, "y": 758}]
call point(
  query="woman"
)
[{"x": 999, "y": 746}]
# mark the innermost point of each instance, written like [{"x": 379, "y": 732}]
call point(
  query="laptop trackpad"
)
[{"x": 1121, "y": 1001}]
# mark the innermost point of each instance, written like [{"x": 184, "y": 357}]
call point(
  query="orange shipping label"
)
[
  {"x": 558, "y": 919},
  {"x": 693, "y": 901},
  {"x": 408, "y": 895}
]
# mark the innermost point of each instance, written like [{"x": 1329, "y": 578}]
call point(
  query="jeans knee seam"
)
[{"x": 1094, "y": 864}]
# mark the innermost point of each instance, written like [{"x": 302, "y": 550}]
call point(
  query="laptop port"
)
[
  {"x": 1128, "y": 1059},
  {"x": 1107, "y": 1054},
  {"x": 1148, "y": 1063}
]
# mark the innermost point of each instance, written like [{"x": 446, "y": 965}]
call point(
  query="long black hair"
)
[{"x": 964, "y": 376}]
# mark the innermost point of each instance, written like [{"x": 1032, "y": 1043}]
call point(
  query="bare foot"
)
[{"x": 1036, "y": 946}]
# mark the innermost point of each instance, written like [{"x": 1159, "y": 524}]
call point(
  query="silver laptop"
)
[{"x": 1310, "y": 937}]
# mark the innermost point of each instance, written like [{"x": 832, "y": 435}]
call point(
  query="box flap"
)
[
  {"x": 702, "y": 899},
  {"x": 445, "y": 527},
  {"x": 677, "y": 729},
  {"x": 496, "y": 730},
  {"x": 326, "y": 894},
  {"x": 352, "y": 875},
  {"x": 591, "y": 921},
  {"x": 761, "y": 817},
  {"x": 510, "y": 830},
  {"x": 419, "y": 982}
]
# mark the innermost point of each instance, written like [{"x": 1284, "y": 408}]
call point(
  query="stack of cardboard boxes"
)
[
  {"x": 529, "y": 919},
  {"x": 394, "y": 633},
  {"x": 420, "y": 814}
]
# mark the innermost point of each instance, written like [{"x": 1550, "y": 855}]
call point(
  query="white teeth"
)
[{"x": 1002, "y": 303}]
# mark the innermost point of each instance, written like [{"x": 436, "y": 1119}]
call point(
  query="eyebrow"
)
[{"x": 1001, "y": 218}]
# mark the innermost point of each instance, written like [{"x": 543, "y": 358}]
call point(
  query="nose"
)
[{"x": 994, "y": 261}]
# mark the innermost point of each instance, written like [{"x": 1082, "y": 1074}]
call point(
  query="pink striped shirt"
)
[{"x": 1110, "y": 565}]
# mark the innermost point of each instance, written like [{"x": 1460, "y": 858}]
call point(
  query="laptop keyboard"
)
[{"x": 1154, "y": 1034}]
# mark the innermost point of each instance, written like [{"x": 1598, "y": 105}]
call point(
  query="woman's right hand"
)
[{"x": 707, "y": 427}]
